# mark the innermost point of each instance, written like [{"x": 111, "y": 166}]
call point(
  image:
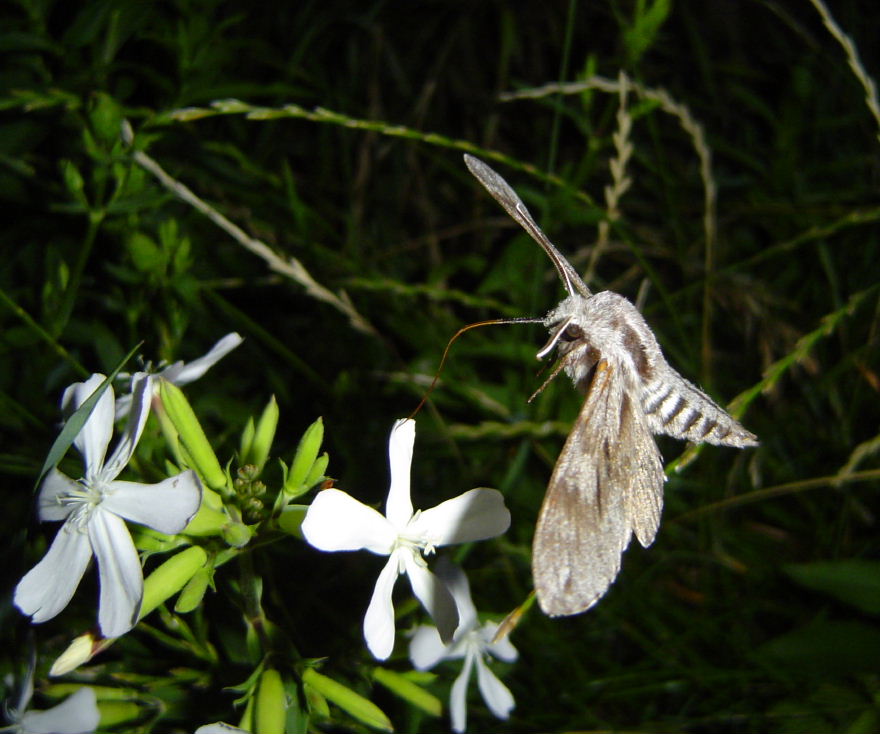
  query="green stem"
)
[{"x": 43, "y": 334}]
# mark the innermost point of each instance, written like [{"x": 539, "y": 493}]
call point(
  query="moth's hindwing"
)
[{"x": 607, "y": 484}]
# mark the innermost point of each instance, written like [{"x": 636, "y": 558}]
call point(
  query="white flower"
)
[
  {"x": 182, "y": 373},
  {"x": 336, "y": 521},
  {"x": 94, "y": 509},
  {"x": 77, "y": 714},
  {"x": 472, "y": 642},
  {"x": 219, "y": 728}
]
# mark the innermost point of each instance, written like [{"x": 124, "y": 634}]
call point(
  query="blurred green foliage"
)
[{"x": 745, "y": 617}]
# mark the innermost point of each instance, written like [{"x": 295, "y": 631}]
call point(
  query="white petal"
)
[
  {"x": 47, "y": 588},
  {"x": 336, "y": 521},
  {"x": 426, "y": 649},
  {"x": 398, "y": 507},
  {"x": 458, "y": 696},
  {"x": 219, "y": 728},
  {"x": 503, "y": 649},
  {"x": 77, "y": 714},
  {"x": 93, "y": 439},
  {"x": 141, "y": 395},
  {"x": 48, "y": 507},
  {"x": 167, "y": 506},
  {"x": 457, "y": 583},
  {"x": 379, "y": 619},
  {"x": 497, "y": 696},
  {"x": 182, "y": 374},
  {"x": 122, "y": 407},
  {"x": 120, "y": 574},
  {"x": 475, "y": 515},
  {"x": 434, "y": 596}
]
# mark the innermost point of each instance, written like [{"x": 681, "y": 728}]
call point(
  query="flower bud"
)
[
  {"x": 316, "y": 474},
  {"x": 170, "y": 577},
  {"x": 194, "y": 591},
  {"x": 306, "y": 453},
  {"x": 263, "y": 435},
  {"x": 78, "y": 652},
  {"x": 291, "y": 519},
  {"x": 207, "y": 521},
  {"x": 247, "y": 441},
  {"x": 191, "y": 435},
  {"x": 270, "y": 710},
  {"x": 404, "y": 688},
  {"x": 352, "y": 703},
  {"x": 237, "y": 534}
]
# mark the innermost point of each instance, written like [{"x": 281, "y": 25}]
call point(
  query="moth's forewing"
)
[{"x": 607, "y": 484}]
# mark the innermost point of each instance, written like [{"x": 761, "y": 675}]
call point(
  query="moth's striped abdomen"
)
[{"x": 680, "y": 409}]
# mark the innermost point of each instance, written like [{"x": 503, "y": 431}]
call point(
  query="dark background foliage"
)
[{"x": 749, "y": 612}]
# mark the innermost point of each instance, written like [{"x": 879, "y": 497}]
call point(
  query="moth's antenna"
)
[
  {"x": 462, "y": 330},
  {"x": 513, "y": 205}
]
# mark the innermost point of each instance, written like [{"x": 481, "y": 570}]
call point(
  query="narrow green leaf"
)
[{"x": 74, "y": 424}]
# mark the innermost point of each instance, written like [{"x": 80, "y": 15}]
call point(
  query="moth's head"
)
[{"x": 568, "y": 336}]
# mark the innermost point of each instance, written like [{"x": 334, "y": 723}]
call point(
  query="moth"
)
[{"x": 608, "y": 481}]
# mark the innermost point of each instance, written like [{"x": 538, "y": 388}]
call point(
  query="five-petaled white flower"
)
[
  {"x": 336, "y": 521},
  {"x": 472, "y": 642},
  {"x": 182, "y": 373},
  {"x": 94, "y": 509}
]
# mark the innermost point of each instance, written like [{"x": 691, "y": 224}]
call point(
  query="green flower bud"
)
[
  {"x": 270, "y": 710},
  {"x": 247, "y": 441},
  {"x": 191, "y": 435},
  {"x": 106, "y": 118},
  {"x": 352, "y": 703},
  {"x": 317, "y": 472},
  {"x": 264, "y": 435},
  {"x": 74, "y": 181},
  {"x": 291, "y": 518},
  {"x": 152, "y": 541},
  {"x": 404, "y": 688},
  {"x": 194, "y": 591},
  {"x": 207, "y": 521},
  {"x": 247, "y": 718},
  {"x": 170, "y": 577},
  {"x": 306, "y": 453},
  {"x": 114, "y": 713},
  {"x": 237, "y": 534}
]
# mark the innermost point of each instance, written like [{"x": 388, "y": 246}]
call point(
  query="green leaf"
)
[
  {"x": 853, "y": 581},
  {"x": 74, "y": 424},
  {"x": 825, "y": 649}
]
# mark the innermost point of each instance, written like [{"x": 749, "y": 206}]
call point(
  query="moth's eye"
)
[{"x": 572, "y": 332}]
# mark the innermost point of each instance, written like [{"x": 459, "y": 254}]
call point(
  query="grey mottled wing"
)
[{"x": 607, "y": 484}]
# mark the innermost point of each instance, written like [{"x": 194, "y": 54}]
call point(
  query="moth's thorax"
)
[{"x": 603, "y": 326}]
